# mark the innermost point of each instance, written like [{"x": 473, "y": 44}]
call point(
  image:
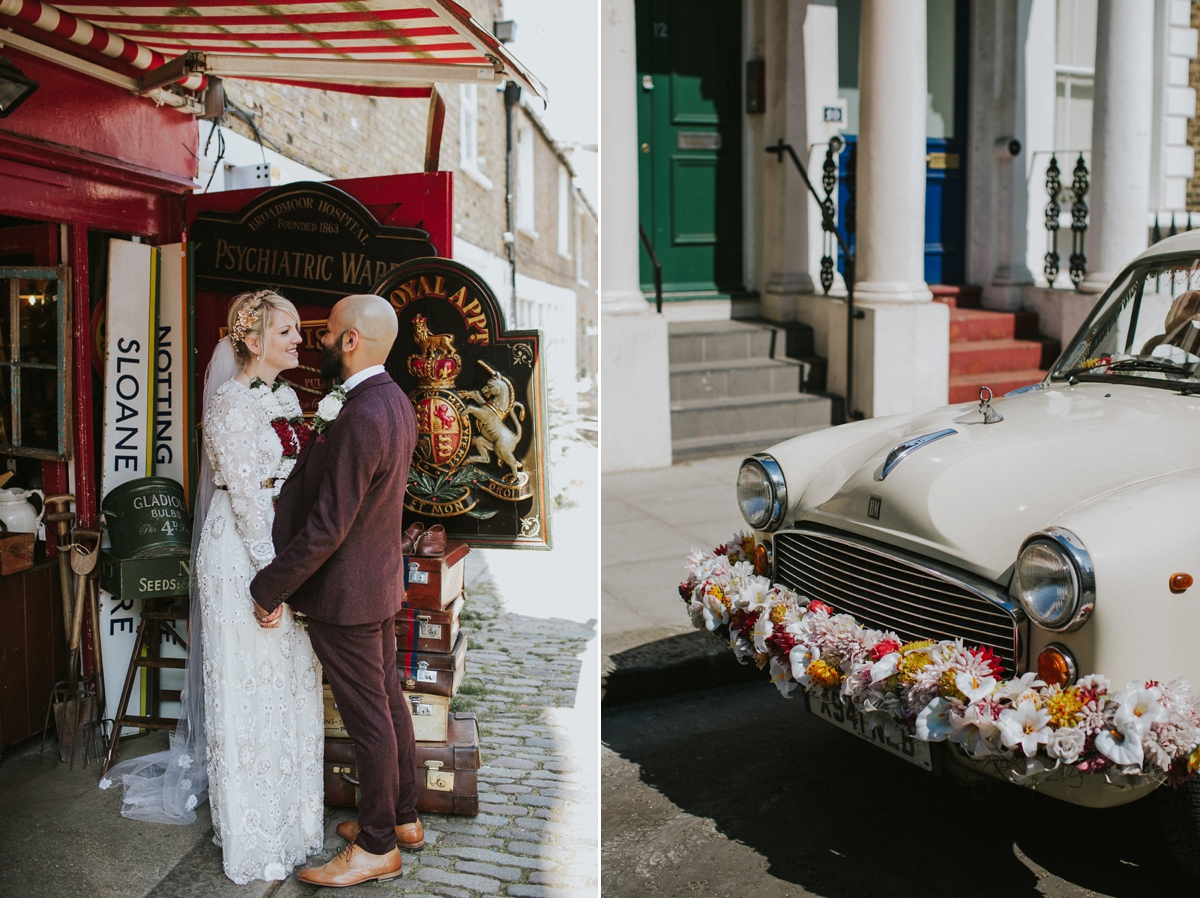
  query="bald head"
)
[{"x": 362, "y": 329}]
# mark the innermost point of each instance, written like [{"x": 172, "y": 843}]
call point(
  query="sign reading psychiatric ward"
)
[{"x": 312, "y": 241}]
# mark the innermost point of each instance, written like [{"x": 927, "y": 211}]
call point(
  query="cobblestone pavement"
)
[{"x": 530, "y": 839}]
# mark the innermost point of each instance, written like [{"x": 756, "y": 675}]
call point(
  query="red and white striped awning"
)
[{"x": 378, "y": 47}]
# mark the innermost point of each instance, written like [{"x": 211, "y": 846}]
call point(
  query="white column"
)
[
  {"x": 891, "y": 152},
  {"x": 1119, "y": 199},
  {"x": 902, "y": 344},
  {"x": 635, "y": 390},
  {"x": 785, "y": 198}
]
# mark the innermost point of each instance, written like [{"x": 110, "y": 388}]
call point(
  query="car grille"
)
[{"x": 888, "y": 592}]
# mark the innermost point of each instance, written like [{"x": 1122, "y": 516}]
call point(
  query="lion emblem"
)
[{"x": 432, "y": 345}]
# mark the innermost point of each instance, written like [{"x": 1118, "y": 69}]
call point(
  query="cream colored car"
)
[{"x": 1056, "y": 526}]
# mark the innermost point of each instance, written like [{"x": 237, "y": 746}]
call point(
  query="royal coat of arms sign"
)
[{"x": 478, "y": 390}]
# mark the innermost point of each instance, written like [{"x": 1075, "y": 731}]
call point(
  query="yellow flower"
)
[
  {"x": 947, "y": 688},
  {"x": 748, "y": 544},
  {"x": 912, "y": 664},
  {"x": 916, "y": 646},
  {"x": 778, "y": 612},
  {"x": 1065, "y": 707},
  {"x": 719, "y": 594},
  {"x": 1194, "y": 760},
  {"x": 823, "y": 674}
]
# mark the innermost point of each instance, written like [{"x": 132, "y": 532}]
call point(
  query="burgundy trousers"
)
[{"x": 360, "y": 664}]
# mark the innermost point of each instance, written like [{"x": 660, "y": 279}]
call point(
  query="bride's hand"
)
[{"x": 268, "y": 621}]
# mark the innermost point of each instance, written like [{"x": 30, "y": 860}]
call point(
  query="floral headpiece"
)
[{"x": 246, "y": 319}]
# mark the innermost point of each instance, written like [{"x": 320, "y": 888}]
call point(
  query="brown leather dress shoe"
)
[
  {"x": 353, "y": 865},
  {"x": 409, "y": 836},
  {"x": 409, "y": 539},
  {"x": 431, "y": 543}
]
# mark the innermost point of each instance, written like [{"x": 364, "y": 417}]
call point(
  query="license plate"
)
[{"x": 890, "y": 736}]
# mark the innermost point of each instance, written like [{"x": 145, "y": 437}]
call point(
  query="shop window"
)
[
  {"x": 35, "y": 363},
  {"x": 525, "y": 176},
  {"x": 564, "y": 212},
  {"x": 469, "y": 160}
]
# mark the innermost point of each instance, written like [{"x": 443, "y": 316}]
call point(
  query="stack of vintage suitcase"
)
[{"x": 431, "y": 659}]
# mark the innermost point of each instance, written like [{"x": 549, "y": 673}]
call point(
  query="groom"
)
[{"x": 335, "y": 563}]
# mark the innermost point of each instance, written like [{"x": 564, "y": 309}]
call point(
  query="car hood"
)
[{"x": 973, "y": 497}]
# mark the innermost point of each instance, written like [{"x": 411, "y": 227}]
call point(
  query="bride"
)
[{"x": 253, "y": 707}]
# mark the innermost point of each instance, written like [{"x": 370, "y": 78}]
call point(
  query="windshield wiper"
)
[
  {"x": 1136, "y": 364},
  {"x": 1130, "y": 364}
]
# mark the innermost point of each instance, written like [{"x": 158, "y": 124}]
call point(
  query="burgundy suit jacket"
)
[{"x": 338, "y": 518}]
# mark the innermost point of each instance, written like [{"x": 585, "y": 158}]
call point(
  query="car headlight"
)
[
  {"x": 762, "y": 492},
  {"x": 1055, "y": 581}
]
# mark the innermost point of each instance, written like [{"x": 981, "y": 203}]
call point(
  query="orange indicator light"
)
[
  {"x": 762, "y": 562},
  {"x": 1055, "y": 667},
  {"x": 1180, "y": 582}
]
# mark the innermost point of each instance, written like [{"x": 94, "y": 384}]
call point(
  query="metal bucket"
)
[{"x": 147, "y": 518}]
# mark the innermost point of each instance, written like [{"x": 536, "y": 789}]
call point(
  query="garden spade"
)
[{"x": 61, "y": 519}]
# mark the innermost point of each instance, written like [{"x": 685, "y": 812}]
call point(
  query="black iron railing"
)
[
  {"x": 829, "y": 226},
  {"x": 657, "y": 268},
  {"x": 1077, "y": 261}
]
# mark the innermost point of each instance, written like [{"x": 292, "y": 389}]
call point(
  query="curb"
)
[{"x": 660, "y": 669}]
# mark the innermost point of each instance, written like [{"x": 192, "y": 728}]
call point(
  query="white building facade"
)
[{"x": 954, "y": 110}]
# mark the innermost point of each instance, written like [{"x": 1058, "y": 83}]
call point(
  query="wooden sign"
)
[
  {"x": 313, "y": 242},
  {"x": 480, "y": 464}
]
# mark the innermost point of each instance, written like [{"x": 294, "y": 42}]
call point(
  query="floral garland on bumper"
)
[{"x": 943, "y": 690}]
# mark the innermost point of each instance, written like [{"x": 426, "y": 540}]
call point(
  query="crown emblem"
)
[{"x": 438, "y": 364}]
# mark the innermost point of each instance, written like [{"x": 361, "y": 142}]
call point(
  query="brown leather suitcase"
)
[
  {"x": 433, "y": 583},
  {"x": 447, "y": 781},
  {"x": 423, "y": 630},
  {"x": 433, "y": 673}
]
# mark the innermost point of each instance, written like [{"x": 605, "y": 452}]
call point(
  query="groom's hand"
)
[{"x": 267, "y": 620}]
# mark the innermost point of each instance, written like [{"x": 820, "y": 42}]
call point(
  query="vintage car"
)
[{"x": 1053, "y": 526}]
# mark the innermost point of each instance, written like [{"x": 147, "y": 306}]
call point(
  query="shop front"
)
[{"x": 117, "y": 277}]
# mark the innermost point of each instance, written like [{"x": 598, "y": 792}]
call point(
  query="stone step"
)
[
  {"x": 965, "y": 387},
  {"x": 988, "y": 356},
  {"x": 719, "y": 341},
  {"x": 710, "y": 380},
  {"x": 741, "y": 416},
  {"x": 957, "y": 296},
  {"x": 728, "y": 444}
]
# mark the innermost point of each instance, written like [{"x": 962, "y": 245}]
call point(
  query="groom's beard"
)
[{"x": 332, "y": 359}]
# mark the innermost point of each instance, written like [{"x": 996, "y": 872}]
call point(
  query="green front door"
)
[{"x": 689, "y": 135}]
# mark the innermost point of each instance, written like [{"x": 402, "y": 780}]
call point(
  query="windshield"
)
[{"x": 1146, "y": 329}]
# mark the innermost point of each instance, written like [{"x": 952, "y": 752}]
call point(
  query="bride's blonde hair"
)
[{"x": 250, "y": 315}]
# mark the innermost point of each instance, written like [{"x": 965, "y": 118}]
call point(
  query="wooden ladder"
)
[{"x": 158, "y": 617}]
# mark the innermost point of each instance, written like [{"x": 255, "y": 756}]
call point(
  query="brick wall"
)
[{"x": 349, "y": 136}]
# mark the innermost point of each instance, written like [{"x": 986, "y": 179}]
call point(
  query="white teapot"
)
[{"x": 17, "y": 514}]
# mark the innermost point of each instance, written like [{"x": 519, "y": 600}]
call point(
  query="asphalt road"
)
[{"x": 738, "y": 792}]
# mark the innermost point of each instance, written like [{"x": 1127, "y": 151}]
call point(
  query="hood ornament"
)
[{"x": 990, "y": 415}]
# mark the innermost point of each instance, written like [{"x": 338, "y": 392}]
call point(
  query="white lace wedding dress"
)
[{"x": 262, "y": 688}]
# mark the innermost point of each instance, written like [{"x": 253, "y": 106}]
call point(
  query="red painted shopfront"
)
[{"x": 81, "y": 162}]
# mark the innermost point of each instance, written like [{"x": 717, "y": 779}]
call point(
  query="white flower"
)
[
  {"x": 1020, "y": 689},
  {"x": 1139, "y": 707},
  {"x": 1066, "y": 744},
  {"x": 1025, "y": 727},
  {"x": 799, "y": 658},
  {"x": 884, "y": 667},
  {"x": 696, "y": 610},
  {"x": 756, "y": 594},
  {"x": 973, "y": 686},
  {"x": 274, "y": 871},
  {"x": 184, "y": 761},
  {"x": 782, "y": 679},
  {"x": 763, "y": 628},
  {"x": 1121, "y": 744},
  {"x": 975, "y": 730},
  {"x": 328, "y": 408},
  {"x": 191, "y": 803},
  {"x": 105, "y": 783},
  {"x": 715, "y": 613},
  {"x": 933, "y": 723}
]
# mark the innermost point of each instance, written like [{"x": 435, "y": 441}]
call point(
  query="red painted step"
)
[{"x": 988, "y": 356}]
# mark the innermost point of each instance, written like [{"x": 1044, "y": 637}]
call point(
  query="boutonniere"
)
[{"x": 328, "y": 409}]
